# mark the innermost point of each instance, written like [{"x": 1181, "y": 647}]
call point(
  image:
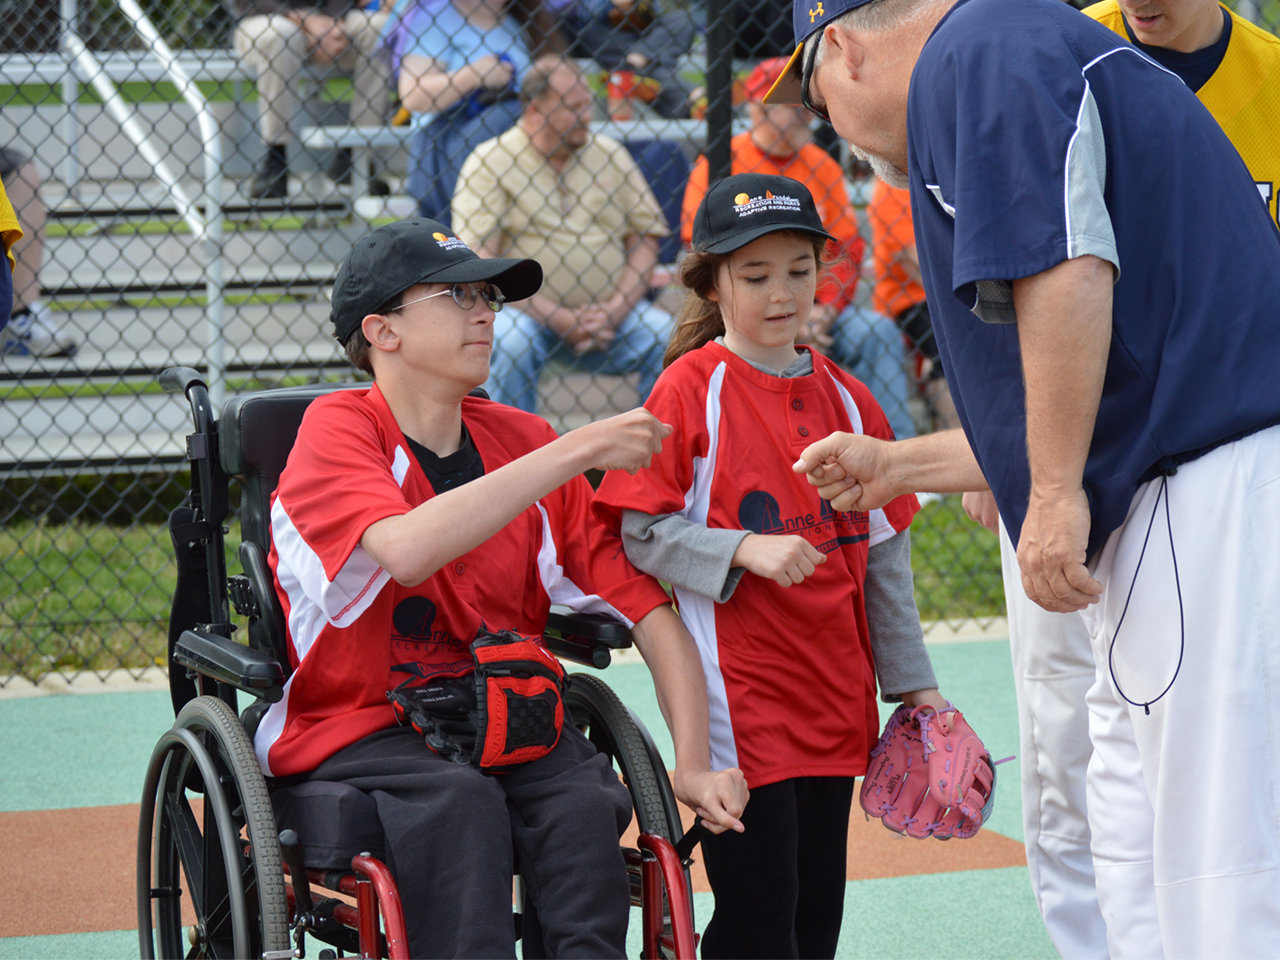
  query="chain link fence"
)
[{"x": 190, "y": 173}]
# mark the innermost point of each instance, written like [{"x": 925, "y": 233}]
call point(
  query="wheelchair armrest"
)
[
  {"x": 586, "y": 638},
  {"x": 242, "y": 667}
]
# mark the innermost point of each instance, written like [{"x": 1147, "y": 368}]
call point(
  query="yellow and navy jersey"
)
[
  {"x": 1243, "y": 95},
  {"x": 10, "y": 231}
]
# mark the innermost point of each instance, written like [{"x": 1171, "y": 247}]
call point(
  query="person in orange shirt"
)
[
  {"x": 898, "y": 294},
  {"x": 780, "y": 142}
]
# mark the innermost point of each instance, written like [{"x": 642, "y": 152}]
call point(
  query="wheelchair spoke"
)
[{"x": 188, "y": 841}]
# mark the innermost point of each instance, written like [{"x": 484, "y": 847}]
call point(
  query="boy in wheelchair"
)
[{"x": 409, "y": 516}]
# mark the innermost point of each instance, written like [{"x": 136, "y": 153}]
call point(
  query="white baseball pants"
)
[
  {"x": 1052, "y": 671},
  {"x": 1183, "y": 802}
]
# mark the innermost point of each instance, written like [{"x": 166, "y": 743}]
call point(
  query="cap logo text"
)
[
  {"x": 815, "y": 12},
  {"x": 447, "y": 242},
  {"x": 745, "y": 205}
]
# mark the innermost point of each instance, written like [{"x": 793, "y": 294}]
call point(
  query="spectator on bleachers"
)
[
  {"x": 31, "y": 331},
  {"x": 461, "y": 61},
  {"x": 10, "y": 233},
  {"x": 634, "y": 38},
  {"x": 780, "y": 142},
  {"x": 277, "y": 37},
  {"x": 898, "y": 294},
  {"x": 551, "y": 189}
]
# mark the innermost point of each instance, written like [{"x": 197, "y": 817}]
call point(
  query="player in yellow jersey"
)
[
  {"x": 1232, "y": 65},
  {"x": 1234, "y": 68},
  {"x": 10, "y": 231}
]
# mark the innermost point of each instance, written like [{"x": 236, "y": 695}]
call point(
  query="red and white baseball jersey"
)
[
  {"x": 349, "y": 624},
  {"x": 790, "y": 680}
]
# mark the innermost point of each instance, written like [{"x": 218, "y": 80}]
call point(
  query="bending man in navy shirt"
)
[{"x": 1105, "y": 279}]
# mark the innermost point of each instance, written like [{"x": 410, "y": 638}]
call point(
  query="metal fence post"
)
[{"x": 70, "y": 27}]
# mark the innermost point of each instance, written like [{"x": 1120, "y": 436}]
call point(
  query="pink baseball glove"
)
[{"x": 923, "y": 782}]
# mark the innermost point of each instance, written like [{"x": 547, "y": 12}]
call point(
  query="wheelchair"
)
[{"x": 229, "y": 865}]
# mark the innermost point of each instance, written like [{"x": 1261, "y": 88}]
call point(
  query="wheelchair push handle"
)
[
  {"x": 180, "y": 380},
  {"x": 190, "y": 383}
]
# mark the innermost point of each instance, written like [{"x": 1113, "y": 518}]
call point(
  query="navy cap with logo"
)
[
  {"x": 393, "y": 258},
  {"x": 807, "y": 18},
  {"x": 747, "y": 206}
]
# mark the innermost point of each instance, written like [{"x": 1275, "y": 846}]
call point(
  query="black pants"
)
[
  {"x": 780, "y": 885},
  {"x": 451, "y": 830}
]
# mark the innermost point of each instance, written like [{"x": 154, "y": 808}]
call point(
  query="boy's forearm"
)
[{"x": 672, "y": 658}]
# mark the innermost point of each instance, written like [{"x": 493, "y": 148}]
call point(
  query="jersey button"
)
[
  {"x": 804, "y": 431},
  {"x": 460, "y": 569},
  {"x": 797, "y": 404}
]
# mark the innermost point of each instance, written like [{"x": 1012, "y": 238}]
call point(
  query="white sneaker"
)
[{"x": 33, "y": 334}]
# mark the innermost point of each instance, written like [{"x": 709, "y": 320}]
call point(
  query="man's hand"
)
[
  {"x": 851, "y": 470},
  {"x": 981, "y": 508},
  {"x": 784, "y": 560},
  {"x": 326, "y": 37},
  {"x": 717, "y": 796},
  {"x": 594, "y": 329},
  {"x": 817, "y": 329},
  {"x": 1051, "y": 552},
  {"x": 625, "y": 442}
]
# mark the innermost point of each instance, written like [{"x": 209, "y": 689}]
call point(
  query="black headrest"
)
[{"x": 255, "y": 434}]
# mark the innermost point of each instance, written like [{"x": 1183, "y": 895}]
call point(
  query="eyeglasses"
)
[
  {"x": 806, "y": 74},
  {"x": 464, "y": 295}
]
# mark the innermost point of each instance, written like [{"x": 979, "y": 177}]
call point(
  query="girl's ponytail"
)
[{"x": 699, "y": 320}]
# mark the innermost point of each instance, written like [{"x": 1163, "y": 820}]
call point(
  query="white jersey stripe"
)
[
  {"x": 699, "y": 614},
  {"x": 342, "y": 599},
  {"x": 699, "y": 611},
  {"x": 560, "y": 589},
  {"x": 354, "y": 589},
  {"x": 879, "y": 529},
  {"x": 270, "y": 727},
  {"x": 400, "y": 465}
]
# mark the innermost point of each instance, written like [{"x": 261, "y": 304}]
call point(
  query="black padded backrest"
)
[{"x": 255, "y": 434}]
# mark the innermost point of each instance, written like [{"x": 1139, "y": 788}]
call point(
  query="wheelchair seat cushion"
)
[{"x": 335, "y": 822}]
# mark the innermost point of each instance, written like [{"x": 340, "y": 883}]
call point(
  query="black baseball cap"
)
[
  {"x": 746, "y": 206},
  {"x": 393, "y": 258},
  {"x": 807, "y": 18}
]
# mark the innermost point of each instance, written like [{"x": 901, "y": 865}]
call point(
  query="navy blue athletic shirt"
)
[{"x": 1049, "y": 138}]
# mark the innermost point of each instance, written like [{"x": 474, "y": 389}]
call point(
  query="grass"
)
[
  {"x": 174, "y": 225},
  {"x": 956, "y": 565},
  {"x": 83, "y": 596},
  {"x": 144, "y": 91},
  {"x": 56, "y": 390}
]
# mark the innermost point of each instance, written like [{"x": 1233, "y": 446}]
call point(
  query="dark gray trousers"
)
[{"x": 451, "y": 831}]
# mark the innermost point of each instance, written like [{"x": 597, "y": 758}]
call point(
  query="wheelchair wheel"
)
[
  {"x": 224, "y": 860},
  {"x": 616, "y": 732}
]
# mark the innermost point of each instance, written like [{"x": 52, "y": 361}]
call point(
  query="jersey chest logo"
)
[
  {"x": 1266, "y": 189},
  {"x": 759, "y": 512},
  {"x": 413, "y": 627}
]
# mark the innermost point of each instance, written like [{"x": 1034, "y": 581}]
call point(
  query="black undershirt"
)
[
  {"x": 1193, "y": 68},
  {"x": 449, "y": 473}
]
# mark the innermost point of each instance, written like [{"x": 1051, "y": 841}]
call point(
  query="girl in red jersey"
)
[{"x": 796, "y": 609}]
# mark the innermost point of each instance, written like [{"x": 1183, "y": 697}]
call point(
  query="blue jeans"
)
[
  {"x": 438, "y": 150},
  {"x": 869, "y": 346},
  {"x": 523, "y": 346}
]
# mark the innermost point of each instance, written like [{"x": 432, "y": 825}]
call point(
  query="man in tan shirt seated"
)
[{"x": 550, "y": 190}]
